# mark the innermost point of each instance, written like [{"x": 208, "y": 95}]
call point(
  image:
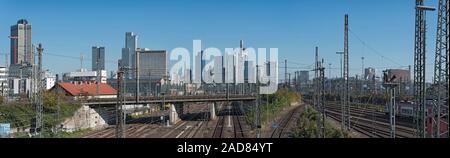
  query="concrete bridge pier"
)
[
  {"x": 175, "y": 111},
  {"x": 212, "y": 110}
]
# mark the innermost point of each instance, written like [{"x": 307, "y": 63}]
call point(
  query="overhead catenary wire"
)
[{"x": 372, "y": 49}]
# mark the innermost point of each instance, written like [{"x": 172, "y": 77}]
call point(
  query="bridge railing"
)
[{"x": 155, "y": 98}]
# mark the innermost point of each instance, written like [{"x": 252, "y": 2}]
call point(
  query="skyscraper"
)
[
  {"x": 129, "y": 53},
  {"x": 369, "y": 74},
  {"x": 152, "y": 64},
  {"x": 21, "y": 45},
  {"x": 218, "y": 69},
  {"x": 199, "y": 65},
  {"x": 98, "y": 55},
  {"x": 304, "y": 77}
]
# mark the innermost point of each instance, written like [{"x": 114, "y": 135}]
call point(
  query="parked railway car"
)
[
  {"x": 403, "y": 109},
  {"x": 406, "y": 109}
]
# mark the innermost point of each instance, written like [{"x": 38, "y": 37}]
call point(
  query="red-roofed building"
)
[{"x": 86, "y": 89}]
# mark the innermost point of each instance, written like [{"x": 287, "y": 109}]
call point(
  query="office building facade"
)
[
  {"x": 21, "y": 44},
  {"x": 129, "y": 54},
  {"x": 98, "y": 58},
  {"x": 152, "y": 64}
]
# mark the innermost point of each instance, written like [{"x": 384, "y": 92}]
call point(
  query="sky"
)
[{"x": 380, "y": 30}]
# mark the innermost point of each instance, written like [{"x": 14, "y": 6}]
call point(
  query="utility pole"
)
[
  {"x": 58, "y": 105},
  {"x": 285, "y": 73},
  {"x": 258, "y": 115},
  {"x": 341, "y": 88},
  {"x": 329, "y": 78},
  {"x": 346, "y": 95},
  {"x": 98, "y": 73},
  {"x": 441, "y": 79},
  {"x": 120, "y": 115},
  {"x": 362, "y": 74},
  {"x": 419, "y": 68}
]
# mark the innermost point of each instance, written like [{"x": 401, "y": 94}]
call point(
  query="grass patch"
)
[
  {"x": 20, "y": 114},
  {"x": 277, "y": 102},
  {"x": 307, "y": 127}
]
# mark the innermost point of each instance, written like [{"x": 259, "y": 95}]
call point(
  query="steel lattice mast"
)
[
  {"x": 39, "y": 102},
  {"x": 322, "y": 98},
  {"x": 447, "y": 73},
  {"x": 346, "y": 95},
  {"x": 120, "y": 116},
  {"x": 440, "y": 83},
  {"x": 319, "y": 94},
  {"x": 317, "y": 91},
  {"x": 419, "y": 68}
]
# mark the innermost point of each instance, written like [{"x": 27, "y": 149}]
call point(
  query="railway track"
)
[
  {"x": 372, "y": 123},
  {"x": 374, "y": 115},
  {"x": 192, "y": 128},
  {"x": 237, "y": 122},
  {"x": 280, "y": 131},
  {"x": 218, "y": 130},
  {"x": 238, "y": 130},
  {"x": 142, "y": 127},
  {"x": 371, "y": 128}
]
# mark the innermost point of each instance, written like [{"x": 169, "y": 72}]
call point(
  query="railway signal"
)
[{"x": 390, "y": 85}]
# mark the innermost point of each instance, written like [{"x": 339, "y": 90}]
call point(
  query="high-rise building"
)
[
  {"x": 304, "y": 77},
  {"x": 199, "y": 65},
  {"x": 229, "y": 68},
  {"x": 152, "y": 64},
  {"x": 48, "y": 80},
  {"x": 218, "y": 69},
  {"x": 98, "y": 55},
  {"x": 129, "y": 53},
  {"x": 4, "y": 88},
  {"x": 21, "y": 44},
  {"x": 249, "y": 72},
  {"x": 187, "y": 76},
  {"x": 369, "y": 73}
]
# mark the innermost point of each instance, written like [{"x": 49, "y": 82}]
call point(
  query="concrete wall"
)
[{"x": 87, "y": 117}]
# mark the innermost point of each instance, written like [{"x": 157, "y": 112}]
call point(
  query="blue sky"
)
[{"x": 71, "y": 27}]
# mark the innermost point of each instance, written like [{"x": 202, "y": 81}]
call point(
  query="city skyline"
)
[
  {"x": 286, "y": 30},
  {"x": 224, "y": 69}
]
